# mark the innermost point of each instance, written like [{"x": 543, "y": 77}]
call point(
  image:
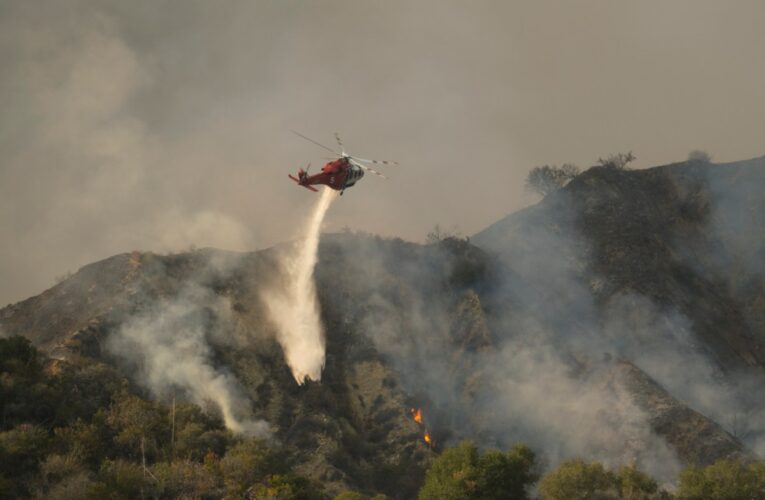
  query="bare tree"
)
[
  {"x": 619, "y": 161},
  {"x": 546, "y": 179},
  {"x": 439, "y": 234}
]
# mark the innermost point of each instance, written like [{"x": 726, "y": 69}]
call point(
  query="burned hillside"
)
[{"x": 620, "y": 319}]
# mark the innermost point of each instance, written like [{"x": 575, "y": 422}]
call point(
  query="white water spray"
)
[{"x": 294, "y": 309}]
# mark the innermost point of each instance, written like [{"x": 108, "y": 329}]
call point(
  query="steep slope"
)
[
  {"x": 688, "y": 236},
  {"x": 353, "y": 430},
  {"x": 665, "y": 266},
  {"x": 694, "y": 436}
]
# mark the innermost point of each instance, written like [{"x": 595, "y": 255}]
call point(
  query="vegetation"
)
[
  {"x": 79, "y": 430},
  {"x": 547, "y": 179},
  {"x": 577, "y": 479},
  {"x": 439, "y": 234},
  {"x": 723, "y": 480},
  {"x": 618, "y": 161},
  {"x": 463, "y": 473},
  {"x": 700, "y": 156},
  {"x": 354, "y": 495}
]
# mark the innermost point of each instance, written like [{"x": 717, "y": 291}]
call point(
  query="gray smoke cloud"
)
[
  {"x": 728, "y": 250},
  {"x": 550, "y": 388},
  {"x": 156, "y": 125},
  {"x": 551, "y": 374},
  {"x": 171, "y": 346},
  {"x": 164, "y": 125}
]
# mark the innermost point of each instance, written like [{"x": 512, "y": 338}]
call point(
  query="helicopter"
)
[{"x": 340, "y": 173}]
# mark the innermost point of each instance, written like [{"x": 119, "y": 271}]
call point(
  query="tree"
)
[
  {"x": 700, "y": 156},
  {"x": 723, "y": 480},
  {"x": 619, "y": 161},
  {"x": 439, "y": 234},
  {"x": 197, "y": 433},
  {"x": 63, "y": 476},
  {"x": 19, "y": 358},
  {"x": 577, "y": 479},
  {"x": 286, "y": 487},
  {"x": 25, "y": 394},
  {"x": 139, "y": 426},
  {"x": 350, "y": 495},
  {"x": 75, "y": 429},
  {"x": 546, "y": 179},
  {"x": 462, "y": 473},
  {"x": 123, "y": 479},
  {"x": 21, "y": 451},
  {"x": 248, "y": 464},
  {"x": 185, "y": 479},
  {"x": 634, "y": 484},
  {"x": 506, "y": 475}
]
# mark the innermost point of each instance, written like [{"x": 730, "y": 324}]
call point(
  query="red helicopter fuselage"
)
[{"x": 339, "y": 175}]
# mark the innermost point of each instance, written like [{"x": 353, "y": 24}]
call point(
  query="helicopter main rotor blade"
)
[
  {"x": 317, "y": 143},
  {"x": 370, "y": 169},
  {"x": 376, "y": 162},
  {"x": 340, "y": 143}
]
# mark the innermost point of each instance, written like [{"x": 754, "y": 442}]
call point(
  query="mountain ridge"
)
[{"x": 611, "y": 300}]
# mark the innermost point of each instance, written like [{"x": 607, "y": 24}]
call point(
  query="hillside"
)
[
  {"x": 688, "y": 236},
  {"x": 665, "y": 266},
  {"x": 620, "y": 319}
]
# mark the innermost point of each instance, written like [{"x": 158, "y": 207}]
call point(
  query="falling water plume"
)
[{"x": 294, "y": 308}]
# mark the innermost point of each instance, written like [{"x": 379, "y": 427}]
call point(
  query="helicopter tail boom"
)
[{"x": 301, "y": 184}]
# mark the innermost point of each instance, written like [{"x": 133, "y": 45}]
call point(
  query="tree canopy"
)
[
  {"x": 547, "y": 179},
  {"x": 618, "y": 161},
  {"x": 77, "y": 430},
  {"x": 723, "y": 480},
  {"x": 580, "y": 480},
  {"x": 463, "y": 472}
]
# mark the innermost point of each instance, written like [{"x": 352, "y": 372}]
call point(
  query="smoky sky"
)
[{"x": 164, "y": 125}]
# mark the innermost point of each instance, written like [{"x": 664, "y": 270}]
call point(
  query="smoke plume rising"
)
[
  {"x": 294, "y": 308},
  {"x": 171, "y": 351}
]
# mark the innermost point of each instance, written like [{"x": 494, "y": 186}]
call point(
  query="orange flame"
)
[
  {"x": 427, "y": 439},
  {"x": 417, "y": 415}
]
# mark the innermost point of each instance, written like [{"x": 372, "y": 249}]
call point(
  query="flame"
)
[{"x": 417, "y": 415}]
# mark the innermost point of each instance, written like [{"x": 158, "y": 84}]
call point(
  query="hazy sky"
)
[{"x": 158, "y": 125}]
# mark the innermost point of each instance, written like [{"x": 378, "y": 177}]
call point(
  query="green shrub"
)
[
  {"x": 723, "y": 480},
  {"x": 577, "y": 479},
  {"x": 463, "y": 473}
]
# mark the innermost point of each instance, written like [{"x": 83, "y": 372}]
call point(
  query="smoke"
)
[
  {"x": 528, "y": 359},
  {"x": 293, "y": 306},
  {"x": 535, "y": 385},
  {"x": 540, "y": 356},
  {"x": 728, "y": 251},
  {"x": 171, "y": 351},
  {"x": 114, "y": 113}
]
